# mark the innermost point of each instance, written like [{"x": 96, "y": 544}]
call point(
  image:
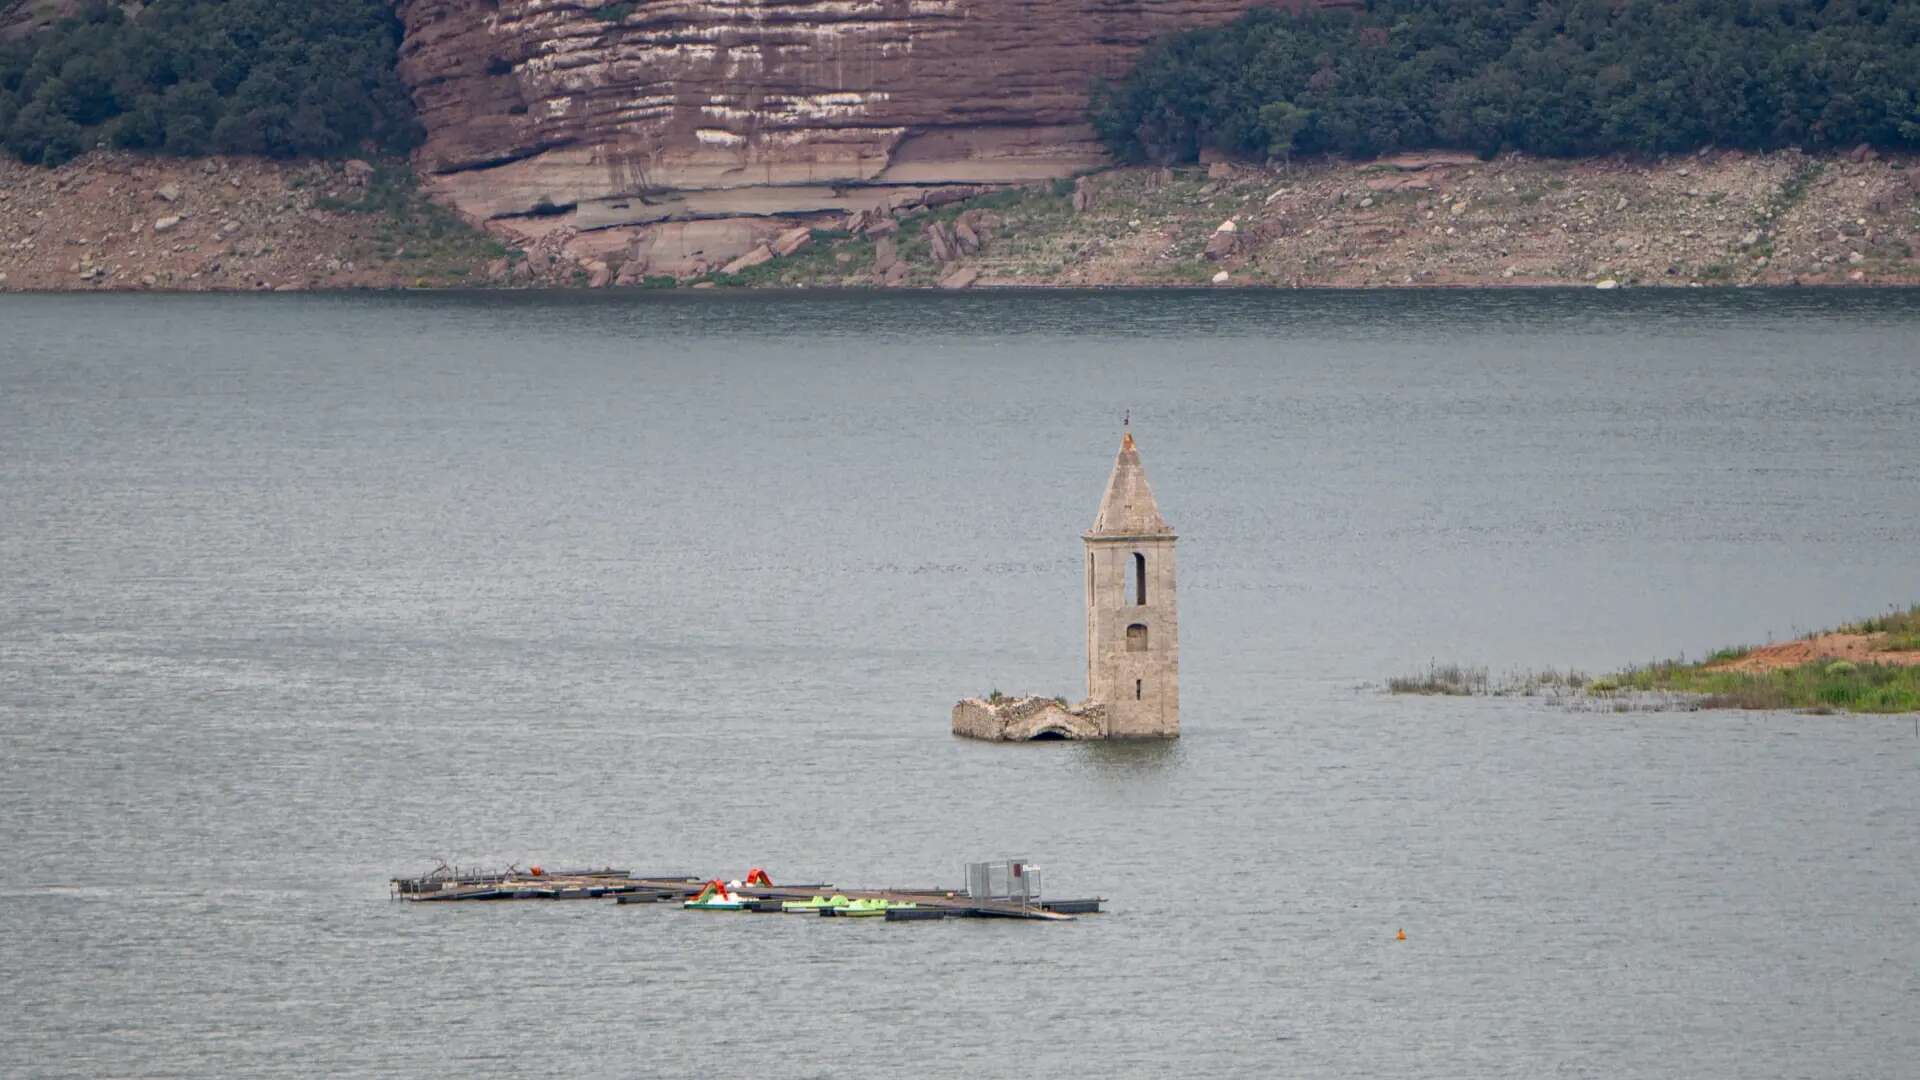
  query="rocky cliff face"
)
[
  {"x": 607, "y": 114},
  {"x": 18, "y": 18}
]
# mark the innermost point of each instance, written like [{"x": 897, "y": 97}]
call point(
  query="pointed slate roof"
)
[{"x": 1128, "y": 508}]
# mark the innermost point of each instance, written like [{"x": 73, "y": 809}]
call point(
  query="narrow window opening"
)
[
  {"x": 1136, "y": 689},
  {"x": 1139, "y": 578},
  {"x": 1089, "y": 577},
  {"x": 1137, "y": 638}
]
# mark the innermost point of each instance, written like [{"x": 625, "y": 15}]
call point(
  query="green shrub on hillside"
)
[
  {"x": 270, "y": 77},
  {"x": 1571, "y": 78}
]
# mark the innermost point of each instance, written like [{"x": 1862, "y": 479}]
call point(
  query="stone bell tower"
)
[{"x": 1133, "y": 629}]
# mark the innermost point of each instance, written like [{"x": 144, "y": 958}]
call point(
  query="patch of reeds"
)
[
  {"x": 1450, "y": 680},
  {"x": 1460, "y": 680}
]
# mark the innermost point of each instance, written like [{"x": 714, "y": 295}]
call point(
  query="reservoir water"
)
[{"x": 299, "y": 592}]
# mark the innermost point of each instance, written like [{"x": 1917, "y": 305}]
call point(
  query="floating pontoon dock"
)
[{"x": 1003, "y": 890}]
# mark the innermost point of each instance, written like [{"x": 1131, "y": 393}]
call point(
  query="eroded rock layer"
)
[{"x": 638, "y": 112}]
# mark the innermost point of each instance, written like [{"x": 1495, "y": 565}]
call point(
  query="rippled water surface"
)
[{"x": 300, "y": 592}]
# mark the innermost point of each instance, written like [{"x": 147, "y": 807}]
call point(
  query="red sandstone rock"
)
[
  {"x": 20, "y": 18},
  {"x": 965, "y": 237},
  {"x": 960, "y": 278},
  {"x": 1428, "y": 159},
  {"x": 751, "y": 259},
  {"x": 527, "y": 101},
  {"x": 939, "y": 243},
  {"x": 791, "y": 241},
  {"x": 1224, "y": 241}
]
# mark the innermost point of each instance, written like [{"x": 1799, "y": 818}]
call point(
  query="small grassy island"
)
[{"x": 1869, "y": 666}]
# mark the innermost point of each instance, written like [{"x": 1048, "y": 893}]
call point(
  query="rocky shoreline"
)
[
  {"x": 127, "y": 222},
  {"x": 120, "y": 222}
]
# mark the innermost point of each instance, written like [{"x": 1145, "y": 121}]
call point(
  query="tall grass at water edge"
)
[
  {"x": 1822, "y": 686},
  {"x": 1819, "y": 686},
  {"x": 1901, "y": 627}
]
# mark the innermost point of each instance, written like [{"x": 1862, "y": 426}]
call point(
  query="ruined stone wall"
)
[{"x": 1024, "y": 719}]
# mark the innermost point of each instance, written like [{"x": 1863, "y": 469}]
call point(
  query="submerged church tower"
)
[
  {"x": 1133, "y": 624},
  {"x": 1133, "y": 632}
]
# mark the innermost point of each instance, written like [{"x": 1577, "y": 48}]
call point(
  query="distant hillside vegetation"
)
[
  {"x": 1565, "y": 79},
  {"x": 271, "y": 77}
]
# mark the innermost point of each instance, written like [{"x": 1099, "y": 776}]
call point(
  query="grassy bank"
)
[
  {"x": 1868, "y": 666},
  {"x": 1902, "y": 630},
  {"x": 1819, "y": 686}
]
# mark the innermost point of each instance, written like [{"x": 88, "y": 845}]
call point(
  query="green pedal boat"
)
[
  {"x": 816, "y": 903},
  {"x": 872, "y": 909}
]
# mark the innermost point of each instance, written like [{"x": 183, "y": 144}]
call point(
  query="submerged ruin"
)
[{"x": 1133, "y": 640}]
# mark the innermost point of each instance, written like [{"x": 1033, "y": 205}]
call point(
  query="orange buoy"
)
[
  {"x": 536, "y": 871},
  {"x": 1402, "y": 936}
]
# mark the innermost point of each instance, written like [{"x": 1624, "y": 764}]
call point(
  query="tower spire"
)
[{"x": 1128, "y": 508}]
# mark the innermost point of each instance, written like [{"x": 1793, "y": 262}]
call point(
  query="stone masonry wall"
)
[{"x": 1025, "y": 718}]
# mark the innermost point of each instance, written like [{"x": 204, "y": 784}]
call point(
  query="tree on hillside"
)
[
  {"x": 1652, "y": 76},
  {"x": 1283, "y": 121},
  {"x": 272, "y": 77}
]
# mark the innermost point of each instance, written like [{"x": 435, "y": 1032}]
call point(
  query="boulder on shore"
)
[
  {"x": 940, "y": 242},
  {"x": 791, "y": 241},
  {"x": 751, "y": 259},
  {"x": 964, "y": 236},
  {"x": 1224, "y": 241},
  {"x": 960, "y": 278}
]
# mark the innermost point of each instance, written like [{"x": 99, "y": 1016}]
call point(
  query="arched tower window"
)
[
  {"x": 1137, "y": 637},
  {"x": 1139, "y": 578}
]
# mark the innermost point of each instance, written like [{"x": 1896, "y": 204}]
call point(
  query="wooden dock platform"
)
[{"x": 626, "y": 888}]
